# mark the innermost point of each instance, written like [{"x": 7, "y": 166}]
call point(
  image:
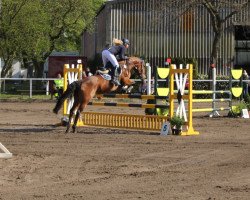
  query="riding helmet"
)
[{"x": 125, "y": 41}]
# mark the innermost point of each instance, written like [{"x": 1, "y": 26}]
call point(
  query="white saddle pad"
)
[{"x": 106, "y": 76}]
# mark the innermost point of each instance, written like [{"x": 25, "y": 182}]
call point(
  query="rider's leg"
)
[
  {"x": 104, "y": 61},
  {"x": 115, "y": 66},
  {"x": 115, "y": 75}
]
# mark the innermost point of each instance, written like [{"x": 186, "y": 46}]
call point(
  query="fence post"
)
[
  {"x": 148, "y": 79},
  {"x": 47, "y": 87},
  {"x": 4, "y": 86},
  {"x": 30, "y": 88},
  {"x": 214, "y": 112}
]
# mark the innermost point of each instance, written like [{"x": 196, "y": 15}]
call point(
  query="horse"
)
[{"x": 84, "y": 90}]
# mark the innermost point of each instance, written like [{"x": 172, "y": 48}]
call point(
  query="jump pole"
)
[
  {"x": 144, "y": 122},
  {"x": 147, "y": 122},
  {"x": 182, "y": 96},
  {"x": 70, "y": 74},
  {"x": 6, "y": 153},
  {"x": 148, "y": 79}
]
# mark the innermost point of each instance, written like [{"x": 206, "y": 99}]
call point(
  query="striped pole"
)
[
  {"x": 131, "y": 96},
  {"x": 128, "y": 105}
]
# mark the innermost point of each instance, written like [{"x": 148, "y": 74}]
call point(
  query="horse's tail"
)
[{"x": 70, "y": 90}]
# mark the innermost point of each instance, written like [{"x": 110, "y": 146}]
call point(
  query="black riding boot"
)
[{"x": 115, "y": 78}]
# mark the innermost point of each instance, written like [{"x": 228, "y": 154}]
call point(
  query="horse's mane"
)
[{"x": 134, "y": 58}]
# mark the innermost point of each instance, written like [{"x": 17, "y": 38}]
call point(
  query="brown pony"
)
[{"x": 84, "y": 90}]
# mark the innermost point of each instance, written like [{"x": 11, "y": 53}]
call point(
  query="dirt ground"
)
[{"x": 98, "y": 163}]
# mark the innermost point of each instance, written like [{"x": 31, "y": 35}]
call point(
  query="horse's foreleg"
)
[{"x": 127, "y": 81}]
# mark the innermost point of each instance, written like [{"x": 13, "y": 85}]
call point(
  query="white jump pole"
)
[
  {"x": 6, "y": 153},
  {"x": 148, "y": 79}
]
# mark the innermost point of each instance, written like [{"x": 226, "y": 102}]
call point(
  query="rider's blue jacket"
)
[{"x": 118, "y": 51}]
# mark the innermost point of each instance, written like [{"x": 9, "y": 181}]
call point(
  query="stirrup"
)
[{"x": 106, "y": 71}]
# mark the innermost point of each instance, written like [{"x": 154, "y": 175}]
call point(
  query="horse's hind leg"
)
[
  {"x": 78, "y": 113},
  {"x": 69, "y": 122},
  {"x": 71, "y": 113}
]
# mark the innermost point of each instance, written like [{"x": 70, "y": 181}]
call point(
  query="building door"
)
[{"x": 242, "y": 47}]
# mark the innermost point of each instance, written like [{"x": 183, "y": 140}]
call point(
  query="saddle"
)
[{"x": 108, "y": 73}]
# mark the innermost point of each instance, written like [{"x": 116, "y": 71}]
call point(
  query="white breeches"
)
[{"x": 107, "y": 56}]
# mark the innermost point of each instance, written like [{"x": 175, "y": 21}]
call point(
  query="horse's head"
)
[
  {"x": 139, "y": 65},
  {"x": 127, "y": 68}
]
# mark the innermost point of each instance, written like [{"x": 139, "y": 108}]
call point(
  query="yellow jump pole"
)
[
  {"x": 190, "y": 129},
  {"x": 172, "y": 96}
]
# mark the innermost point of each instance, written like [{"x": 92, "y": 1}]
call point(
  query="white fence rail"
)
[{"x": 19, "y": 82}]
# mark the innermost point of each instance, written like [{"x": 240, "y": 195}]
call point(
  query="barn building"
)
[{"x": 157, "y": 34}]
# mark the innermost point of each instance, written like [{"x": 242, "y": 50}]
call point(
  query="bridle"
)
[
  {"x": 139, "y": 66},
  {"x": 142, "y": 69}
]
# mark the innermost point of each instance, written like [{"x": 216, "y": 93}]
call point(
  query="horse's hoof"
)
[
  {"x": 55, "y": 111},
  {"x": 74, "y": 129},
  {"x": 67, "y": 131},
  {"x": 129, "y": 90}
]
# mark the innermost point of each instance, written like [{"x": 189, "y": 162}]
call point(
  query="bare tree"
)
[{"x": 221, "y": 12}]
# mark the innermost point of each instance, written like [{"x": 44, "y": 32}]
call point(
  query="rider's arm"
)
[{"x": 121, "y": 55}]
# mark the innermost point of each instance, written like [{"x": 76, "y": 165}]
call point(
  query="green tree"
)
[
  {"x": 9, "y": 15},
  {"x": 39, "y": 27},
  {"x": 66, "y": 19}
]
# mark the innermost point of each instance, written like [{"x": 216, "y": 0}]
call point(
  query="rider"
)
[{"x": 110, "y": 55}]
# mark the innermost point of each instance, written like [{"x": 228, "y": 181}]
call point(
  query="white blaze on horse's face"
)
[{"x": 125, "y": 66}]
